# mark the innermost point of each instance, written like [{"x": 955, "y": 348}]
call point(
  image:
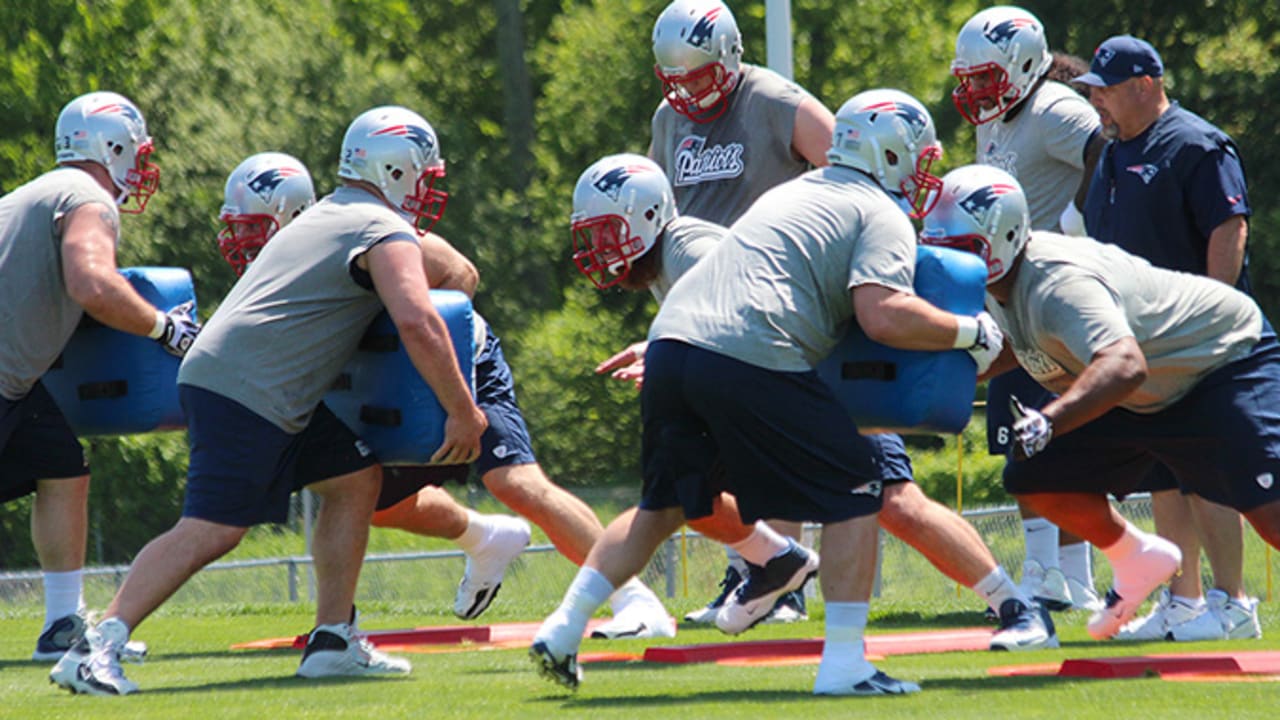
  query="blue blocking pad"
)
[
  {"x": 913, "y": 391},
  {"x": 109, "y": 382},
  {"x": 383, "y": 399}
]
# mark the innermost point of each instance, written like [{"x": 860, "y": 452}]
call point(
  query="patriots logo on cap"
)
[
  {"x": 417, "y": 135},
  {"x": 1002, "y": 33},
  {"x": 264, "y": 184},
  {"x": 911, "y": 115},
  {"x": 978, "y": 203},
  {"x": 611, "y": 182},
  {"x": 700, "y": 35},
  {"x": 1104, "y": 55},
  {"x": 1146, "y": 171}
]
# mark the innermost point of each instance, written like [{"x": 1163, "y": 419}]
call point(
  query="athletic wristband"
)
[
  {"x": 966, "y": 332},
  {"x": 158, "y": 330}
]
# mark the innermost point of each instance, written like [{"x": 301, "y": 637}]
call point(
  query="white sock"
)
[
  {"x": 1041, "y": 538},
  {"x": 563, "y": 629},
  {"x": 63, "y": 595},
  {"x": 477, "y": 532},
  {"x": 1195, "y": 602},
  {"x": 997, "y": 587},
  {"x": 762, "y": 545},
  {"x": 844, "y": 660},
  {"x": 735, "y": 560},
  {"x": 1076, "y": 561}
]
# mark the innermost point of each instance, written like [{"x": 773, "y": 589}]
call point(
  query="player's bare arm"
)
[
  {"x": 89, "y": 270},
  {"x": 811, "y": 136},
  {"x": 1003, "y": 363},
  {"x": 1226, "y": 249},
  {"x": 401, "y": 283},
  {"x": 904, "y": 321},
  {"x": 1111, "y": 376},
  {"x": 446, "y": 268}
]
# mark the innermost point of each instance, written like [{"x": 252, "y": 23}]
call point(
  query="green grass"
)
[{"x": 192, "y": 673}]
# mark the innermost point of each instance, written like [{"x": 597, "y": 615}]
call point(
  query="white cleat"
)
[
  {"x": 1083, "y": 597},
  {"x": 877, "y": 684},
  {"x": 1157, "y": 561},
  {"x": 341, "y": 650},
  {"x": 1023, "y": 627},
  {"x": 638, "y": 619},
  {"x": 756, "y": 596},
  {"x": 482, "y": 579},
  {"x": 92, "y": 665},
  {"x": 1239, "y": 618},
  {"x": 1047, "y": 586}
]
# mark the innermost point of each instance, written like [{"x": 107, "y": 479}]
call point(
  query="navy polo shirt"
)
[{"x": 1159, "y": 195}]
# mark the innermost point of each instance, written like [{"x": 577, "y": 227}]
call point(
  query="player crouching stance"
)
[{"x": 1151, "y": 365}]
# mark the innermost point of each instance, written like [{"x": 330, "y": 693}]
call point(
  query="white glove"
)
[
  {"x": 1032, "y": 431},
  {"x": 179, "y": 329},
  {"x": 981, "y": 337}
]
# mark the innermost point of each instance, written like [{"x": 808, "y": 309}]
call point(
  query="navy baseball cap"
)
[{"x": 1120, "y": 58}]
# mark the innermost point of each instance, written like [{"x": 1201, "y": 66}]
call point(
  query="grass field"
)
[{"x": 192, "y": 673}]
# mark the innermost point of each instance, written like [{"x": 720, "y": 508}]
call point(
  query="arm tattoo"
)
[{"x": 110, "y": 220}]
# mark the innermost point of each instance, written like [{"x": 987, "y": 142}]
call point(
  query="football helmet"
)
[
  {"x": 698, "y": 50},
  {"x": 396, "y": 150},
  {"x": 890, "y": 136},
  {"x": 108, "y": 129},
  {"x": 621, "y": 205},
  {"x": 983, "y": 210},
  {"x": 262, "y": 195},
  {"x": 1000, "y": 54}
]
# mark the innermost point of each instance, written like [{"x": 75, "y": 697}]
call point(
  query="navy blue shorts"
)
[
  {"x": 893, "y": 465},
  {"x": 999, "y": 419},
  {"x": 1221, "y": 441},
  {"x": 243, "y": 467},
  {"x": 788, "y": 447},
  {"x": 36, "y": 443},
  {"x": 505, "y": 442}
]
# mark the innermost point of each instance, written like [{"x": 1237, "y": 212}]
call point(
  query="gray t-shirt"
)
[
  {"x": 1074, "y": 296},
  {"x": 37, "y": 316},
  {"x": 1043, "y": 147},
  {"x": 685, "y": 241},
  {"x": 718, "y": 169},
  {"x": 775, "y": 292},
  {"x": 284, "y": 333}
]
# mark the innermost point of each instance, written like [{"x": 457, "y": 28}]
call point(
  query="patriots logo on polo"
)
[
  {"x": 700, "y": 35},
  {"x": 1146, "y": 171},
  {"x": 414, "y": 134},
  {"x": 1002, "y": 33},
  {"x": 264, "y": 184},
  {"x": 978, "y": 203},
  {"x": 909, "y": 114},
  {"x": 611, "y": 182},
  {"x": 1103, "y": 55}
]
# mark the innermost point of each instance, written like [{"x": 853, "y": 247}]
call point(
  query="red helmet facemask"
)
[
  {"x": 426, "y": 204},
  {"x": 142, "y": 181},
  {"x": 705, "y": 104},
  {"x": 996, "y": 88},
  {"x": 975, "y": 244},
  {"x": 242, "y": 238},
  {"x": 922, "y": 188},
  {"x": 603, "y": 248}
]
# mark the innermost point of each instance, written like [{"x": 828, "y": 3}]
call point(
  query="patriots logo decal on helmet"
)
[
  {"x": 612, "y": 181},
  {"x": 121, "y": 108},
  {"x": 1002, "y": 33},
  {"x": 264, "y": 184},
  {"x": 700, "y": 35},
  {"x": 912, "y": 116},
  {"x": 978, "y": 203},
  {"x": 416, "y": 135}
]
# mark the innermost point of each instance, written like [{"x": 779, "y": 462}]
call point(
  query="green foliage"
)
[{"x": 135, "y": 492}]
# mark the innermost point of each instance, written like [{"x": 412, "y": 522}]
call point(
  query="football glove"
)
[
  {"x": 1032, "y": 430},
  {"x": 180, "y": 329},
  {"x": 981, "y": 337}
]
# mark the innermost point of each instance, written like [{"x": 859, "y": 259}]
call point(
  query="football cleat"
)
[
  {"x": 642, "y": 616},
  {"x": 563, "y": 671},
  {"x": 707, "y": 615},
  {"x": 1155, "y": 563},
  {"x": 66, "y": 631},
  {"x": 756, "y": 596},
  {"x": 1023, "y": 627},
  {"x": 788, "y": 609},
  {"x": 877, "y": 684},
  {"x": 92, "y": 665},
  {"x": 341, "y": 650},
  {"x": 1083, "y": 596},
  {"x": 486, "y": 568},
  {"x": 1239, "y": 618},
  {"x": 1047, "y": 586}
]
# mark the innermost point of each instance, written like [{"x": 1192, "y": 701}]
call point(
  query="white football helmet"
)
[
  {"x": 983, "y": 210},
  {"x": 1000, "y": 54},
  {"x": 395, "y": 149},
  {"x": 108, "y": 129},
  {"x": 890, "y": 136},
  {"x": 621, "y": 205},
  {"x": 698, "y": 50},
  {"x": 262, "y": 195}
]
